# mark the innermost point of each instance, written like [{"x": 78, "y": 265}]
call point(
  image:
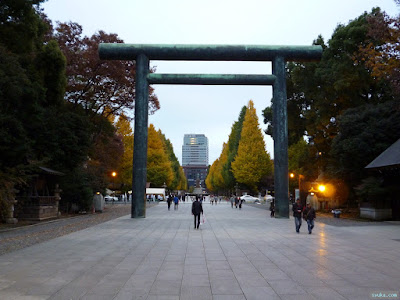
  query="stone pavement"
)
[
  {"x": 13, "y": 237},
  {"x": 237, "y": 254}
]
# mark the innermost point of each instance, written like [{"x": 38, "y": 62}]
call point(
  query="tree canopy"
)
[
  {"x": 100, "y": 86},
  {"x": 57, "y": 105},
  {"x": 252, "y": 161},
  {"x": 159, "y": 169},
  {"x": 243, "y": 159},
  {"x": 179, "y": 181},
  {"x": 354, "y": 80}
]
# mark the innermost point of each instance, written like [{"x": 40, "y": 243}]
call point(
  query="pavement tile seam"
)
[
  {"x": 227, "y": 234},
  {"x": 137, "y": 244},
  {"x": 289, "y": 275},
  {"x": 164, "y": 260}
]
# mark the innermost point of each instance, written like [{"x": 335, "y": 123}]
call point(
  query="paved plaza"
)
[{"x": 236, "y": 255}]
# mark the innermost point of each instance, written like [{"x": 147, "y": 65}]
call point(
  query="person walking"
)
[
  {"x": 236, "y": 202},
  {"x": 232, "y": 200},
  {"x": 240, "y": 203},
  {"x": 169, "y": 200},
  {"x": 272, "y": 208},
  {"x": 176, "y": 202},
  {"x": 197, "y": 209},
  {"x": 297, "y": 210},
  {"x": 309, "y": 216}
]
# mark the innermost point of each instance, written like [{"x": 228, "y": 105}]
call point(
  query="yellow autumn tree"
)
[
  {"x": 210, "y": 177},
  {"x": 159, "y": 169},
  {"x": 179, "y": 178},
  {"x": 182, "y": 185},
  {"x": 252, "y": 161},
  {"x": 215, "y": 180},
  {"x": 124, "y": 129},
  {"x": 219, "y": 180}
]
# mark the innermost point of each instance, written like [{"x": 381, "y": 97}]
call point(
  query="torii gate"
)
[{"x": 142, "y": 54}]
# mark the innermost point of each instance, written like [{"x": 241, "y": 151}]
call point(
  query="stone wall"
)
[
  {"x": 377, "y": 214},
  {"x": 37, "y": 208}
]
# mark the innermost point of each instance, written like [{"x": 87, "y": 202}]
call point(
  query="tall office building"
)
[
  {"x": 195, "y": 158},
  {"x": 195, "y": 150}
]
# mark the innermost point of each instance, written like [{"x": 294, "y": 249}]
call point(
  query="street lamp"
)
[
  {"x": 114, "y": 175},
  {"x": 322, "y": 188},
  {"x": 292, "y": 175}
]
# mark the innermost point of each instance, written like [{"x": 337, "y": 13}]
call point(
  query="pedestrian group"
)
[
  {"x": 307, "y": 213},
  {"x": 299, "y": 211}
]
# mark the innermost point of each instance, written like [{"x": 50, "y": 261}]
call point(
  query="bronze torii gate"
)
[{"x": 277, "y": 54}]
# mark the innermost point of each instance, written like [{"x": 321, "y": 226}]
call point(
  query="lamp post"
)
[
  {"x": 237, "y": 189},
  {"x": 293, "y": 175},
  {"x": 165, "y": 190},
  {"x": 114, "y": 175},
  {"x": 321, "y": 191}
]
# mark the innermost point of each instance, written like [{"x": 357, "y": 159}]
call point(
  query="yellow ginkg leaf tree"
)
[
  {"x": 124, "y": 129},
  {"x": 159, "y": 170},
  {"x": 210, "y": 177},
  {"x": 219, "y": 180},
  {"x": 252, "y": 161}
]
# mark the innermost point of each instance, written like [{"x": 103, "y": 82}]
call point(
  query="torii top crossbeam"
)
[{"x": 118, "y": 51}]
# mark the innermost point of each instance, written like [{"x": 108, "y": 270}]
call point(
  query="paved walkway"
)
[
  {"x": 236, "y": 255},
  {"x": 13, "y": 237}
]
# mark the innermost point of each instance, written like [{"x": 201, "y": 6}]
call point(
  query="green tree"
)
[
  {"x": 298, "y": 155},
  {"x": 32, "y": 83},
  {"x": 73, "y": 136},
  {"x": 252, "y": 162},
  {"x": 365, "y": 132},
  {"x": 319, "y": 93}
]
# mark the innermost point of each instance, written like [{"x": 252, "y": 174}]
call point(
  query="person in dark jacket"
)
[
  {"x": 297, "y": 210},
  {"x": 309, "y": 216},
  {"x": 197, "y": 209},
  {"x": 169, "y": 200},
  {"x": 272, "y": 208},
  {"x": 236, "y": 202}
]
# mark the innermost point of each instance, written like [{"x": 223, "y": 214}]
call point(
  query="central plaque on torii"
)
[{"x": 278, "y": 55}]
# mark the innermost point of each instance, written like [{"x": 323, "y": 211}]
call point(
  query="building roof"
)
[{"x": 388, "y": 158}]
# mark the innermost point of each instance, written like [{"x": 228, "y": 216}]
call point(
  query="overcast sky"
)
[{"x": 211, "y": 110}]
